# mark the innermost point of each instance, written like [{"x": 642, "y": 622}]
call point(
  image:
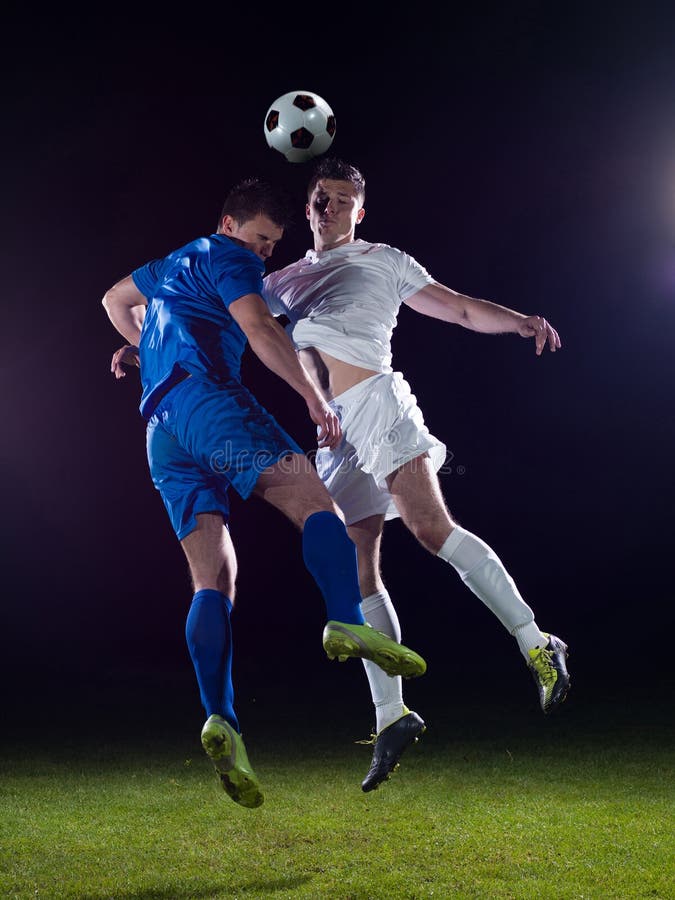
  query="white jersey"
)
[{"x": 345, "y": 301}]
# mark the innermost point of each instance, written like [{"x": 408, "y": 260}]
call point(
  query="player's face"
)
[
  {"x": 259, "y": 235},
  {"x": 334, "y": 210}
]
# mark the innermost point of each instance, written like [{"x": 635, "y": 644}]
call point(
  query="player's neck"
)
[{"x": 320, "y": 245}]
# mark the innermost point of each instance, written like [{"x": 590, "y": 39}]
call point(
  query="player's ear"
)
[
  {"x": 226, "y": 224},
  {"x": 307, "y": 210},
  {"x": 360, "y": 214}
]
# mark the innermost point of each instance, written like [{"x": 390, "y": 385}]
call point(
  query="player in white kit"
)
[{"x": 342, "y": 300}]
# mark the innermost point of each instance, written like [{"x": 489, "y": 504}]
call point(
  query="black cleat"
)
[
  {"x": 549, "y": 670},
  {"x": 389, "y": 746}
]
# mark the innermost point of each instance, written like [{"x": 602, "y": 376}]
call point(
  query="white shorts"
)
[{"x": 382, "y": 428}]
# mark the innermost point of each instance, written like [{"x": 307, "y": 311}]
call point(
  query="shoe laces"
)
[
  {"x": 371, "y": 740},
  {"x": 542, "y": 663}
]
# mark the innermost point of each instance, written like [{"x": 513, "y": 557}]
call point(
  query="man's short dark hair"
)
[
  {"x": 252, "y": 197},
  {"x": 338, "y": 170}
]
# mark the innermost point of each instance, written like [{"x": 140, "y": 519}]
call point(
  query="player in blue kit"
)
[{"x": 187, "y": 318}]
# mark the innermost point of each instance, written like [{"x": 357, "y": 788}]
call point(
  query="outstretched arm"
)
[
  {"x": 272, "y": 346},
  {"x": 440, "y": 302}
]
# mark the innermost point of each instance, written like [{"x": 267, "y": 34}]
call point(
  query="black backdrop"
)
[{"x": 524, "y": 155}]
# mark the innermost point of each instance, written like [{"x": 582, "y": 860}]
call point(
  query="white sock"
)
[
  {"x": 483, "y": 572},
  {"x": 529, "y": 637},
  {"x": 387, "y": 692}
]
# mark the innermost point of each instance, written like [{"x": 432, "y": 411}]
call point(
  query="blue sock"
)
[
  {"x": 209, "y": 639},
  {"x": 330, "y": 557}
]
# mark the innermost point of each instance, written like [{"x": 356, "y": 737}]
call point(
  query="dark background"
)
[{"x": 525, "y": 155}]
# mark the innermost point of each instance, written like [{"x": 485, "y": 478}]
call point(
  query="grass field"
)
[{"x": 492, "y": 803}]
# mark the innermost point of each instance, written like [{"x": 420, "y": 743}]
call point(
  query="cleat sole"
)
[
  {"x": 226, "y": 751},
  {"x": 398, "y": 660}
]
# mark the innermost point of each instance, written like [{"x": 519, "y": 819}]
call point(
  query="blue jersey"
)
[{"x": 187, "y": 327}]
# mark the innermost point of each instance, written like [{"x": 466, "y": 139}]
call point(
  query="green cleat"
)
[
  {"x": 549, "y": 670},
  {"x": 343, "y": 641},
  {"x": 226, "y": 751}
]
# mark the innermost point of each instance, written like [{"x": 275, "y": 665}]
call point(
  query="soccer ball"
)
[{"x": 300, "y": 125}]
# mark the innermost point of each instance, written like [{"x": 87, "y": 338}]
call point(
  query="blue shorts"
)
[{"x": 204, "y": 437}]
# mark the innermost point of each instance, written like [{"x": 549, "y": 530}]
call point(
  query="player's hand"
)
[
  {"x": 542, "y": 332},
  {"x": 328, "y": 429},
  {"x": 125, "y": 356}
]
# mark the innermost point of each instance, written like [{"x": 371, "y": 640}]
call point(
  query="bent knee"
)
[
  {"x": 320, "y": 505},
  {"x": 431, "y": 535}
]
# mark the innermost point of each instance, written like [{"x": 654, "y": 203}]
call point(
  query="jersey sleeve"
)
[
  {"x": 237, "y": 275},
  {"x": 147, "y": 276},
  {"x": 412, "y": 276}
]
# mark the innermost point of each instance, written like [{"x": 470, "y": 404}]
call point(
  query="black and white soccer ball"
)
[{"x": 300, "y": 125}]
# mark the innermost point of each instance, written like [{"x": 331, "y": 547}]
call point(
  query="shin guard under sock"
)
[
  {"x": 386, "y": 691},
  {"x": 209, "y": 638},
  {"x": 483, "y": 572},
  {"x": 330, "y": 557}
]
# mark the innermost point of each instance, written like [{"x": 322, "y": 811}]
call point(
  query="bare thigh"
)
[
  {"x": 293, "y": 487},
  {"x": 211, "y": 556},
  {"x": 367, "y": 535},
  {"x": 419, "y": 500}
]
